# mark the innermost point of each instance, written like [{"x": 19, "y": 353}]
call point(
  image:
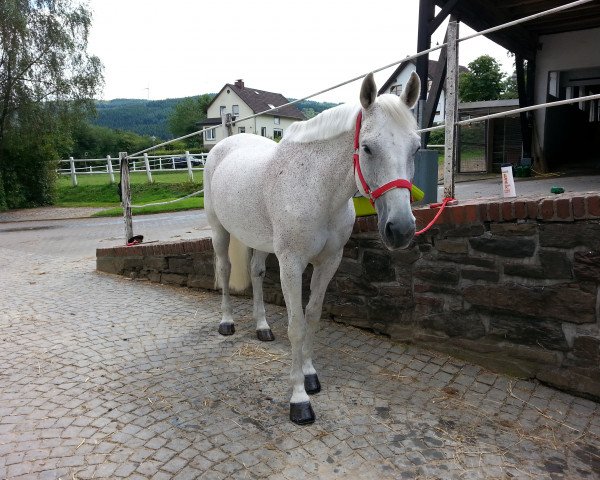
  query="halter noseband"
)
[{"x": 378, "y": 192}]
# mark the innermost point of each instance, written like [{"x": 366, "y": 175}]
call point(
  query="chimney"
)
[{"x": 239, "y": 83}]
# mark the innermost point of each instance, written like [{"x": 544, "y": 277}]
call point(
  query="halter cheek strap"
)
[{"x": 378, "y": 192}]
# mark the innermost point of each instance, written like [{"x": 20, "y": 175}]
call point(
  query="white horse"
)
[{"x": 295, "y": 199}]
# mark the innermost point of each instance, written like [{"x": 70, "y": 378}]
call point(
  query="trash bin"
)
[{"x": 426, "y": 175}]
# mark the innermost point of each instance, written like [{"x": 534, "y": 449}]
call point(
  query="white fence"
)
[{"x": 150, "y": 164}]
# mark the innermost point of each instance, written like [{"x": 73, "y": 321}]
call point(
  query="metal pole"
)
[
  {"x": 147, "y": 164},
  {"x": 73, "y": 174},
  {"x": 451, "y": 109},
  {"x": 126, "y": 196}
]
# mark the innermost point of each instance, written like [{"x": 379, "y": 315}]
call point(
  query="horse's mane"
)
[{"x": 341, "y": 119}]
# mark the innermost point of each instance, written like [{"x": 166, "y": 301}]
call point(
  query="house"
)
[
  {"x": 242, "y": 101},
  {"x": 398, "y": 79}
]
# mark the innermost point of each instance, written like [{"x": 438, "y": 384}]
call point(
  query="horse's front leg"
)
[
  {"x": 290, "y": 272},
  {"x": 257, "y": 274},
  {"x": 322, "y": 275}
]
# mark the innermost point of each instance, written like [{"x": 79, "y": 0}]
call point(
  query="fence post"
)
[
  {"x": 188, "y": 160},
  {"x": 451, "y": 109},
  {"x": 110, "y": 170},
  {"x": 148, "y": 172},
  {"x": 226, "y": 122},
  {"x": 126, "y": 195},
  {"x": 73, "y": 174}
]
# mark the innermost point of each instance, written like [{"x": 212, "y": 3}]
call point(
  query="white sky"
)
[{"x": 165, "y": 49}]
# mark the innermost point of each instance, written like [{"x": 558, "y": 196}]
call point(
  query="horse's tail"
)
[{"x": 239, "y": 257}]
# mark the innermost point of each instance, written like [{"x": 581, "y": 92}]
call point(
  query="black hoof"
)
[
  {"x": 312, "y": 384},
  {"x": 265, "y": 335},
  {"x": 226, "y": 328},
  {"x": 302, "y": 413}
]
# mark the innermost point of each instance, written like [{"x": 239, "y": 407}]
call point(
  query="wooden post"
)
[
  {"x": 126, "y": 195},
  {"x": 109, "y": 168},
  {"x": 188, "y": 160},
  {"x": 451, "y": 109},
  {"x": 226, "y": 122},
  {"x": 147, "y": 164},
  {"x": 73, "y": 174}
]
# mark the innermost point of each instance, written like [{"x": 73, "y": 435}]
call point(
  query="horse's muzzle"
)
[{"x": 397, "y": 234}]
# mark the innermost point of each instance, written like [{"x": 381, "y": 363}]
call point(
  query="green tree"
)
[
  {"x": 47, "y": 81},
  {"x": 187, "y": 113},
  {"x": 509, "y": 87},
  {"x": 483, "y": 81}
]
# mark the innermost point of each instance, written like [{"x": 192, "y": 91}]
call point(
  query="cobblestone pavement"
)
[{"x": 104, "y": 377}]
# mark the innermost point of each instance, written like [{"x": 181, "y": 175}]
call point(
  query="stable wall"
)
[{"x": 513, "y": 285}]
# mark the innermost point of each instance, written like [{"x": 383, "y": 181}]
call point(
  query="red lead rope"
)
[{"x": 437, "y": 215}]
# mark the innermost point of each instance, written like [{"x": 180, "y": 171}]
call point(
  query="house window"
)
[
  {"x": 396, "y": 89},
  {"x": 277, "y": 133},
  {"x": 209, "y": 134},
  {"x": 222, "y": 110},
  {"x": 277, "y": 120},
  {"x": 235, "y": 110},
  {"x": 263, "y": 131},
  {"x": 241, "y": 129}
]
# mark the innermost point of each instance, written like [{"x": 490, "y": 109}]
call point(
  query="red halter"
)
[{"x": 378, "y": 192}]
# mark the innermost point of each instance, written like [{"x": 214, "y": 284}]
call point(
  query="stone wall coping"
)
[{"x": 565, "y": 207}]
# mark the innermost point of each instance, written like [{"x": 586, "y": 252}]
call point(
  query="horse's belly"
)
[{"x": 238, "y": 201}]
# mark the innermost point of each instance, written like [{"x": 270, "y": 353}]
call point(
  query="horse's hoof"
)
[
  {"x": 302, "y": 413},
  {"x": 226, "y": 328},
  {"x": 265, "y": 335},
  {"x": 312, "y": 384}
]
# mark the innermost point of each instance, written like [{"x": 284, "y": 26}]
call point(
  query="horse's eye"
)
[{"x": 367, "y": 149}]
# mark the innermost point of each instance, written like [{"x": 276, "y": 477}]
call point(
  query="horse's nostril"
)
[{"x": 389, "y": 233}]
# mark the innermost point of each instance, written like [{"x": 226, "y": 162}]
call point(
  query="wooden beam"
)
[
  {"x": 451, "y": 109},
  {"x": 440, "y": 17},
  {"x": 437, "y": 85}
]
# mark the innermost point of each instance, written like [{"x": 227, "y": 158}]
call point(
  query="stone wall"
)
[{"x": 512, "y": 285}]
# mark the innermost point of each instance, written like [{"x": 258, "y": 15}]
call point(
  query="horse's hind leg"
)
[
  {"x": 257, "y": 274},
  {"x": 220, "y": 240},
  {"x": 322, "y": 275}
]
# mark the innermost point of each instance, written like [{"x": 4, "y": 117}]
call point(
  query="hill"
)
[{"x": 149, "y": 117}]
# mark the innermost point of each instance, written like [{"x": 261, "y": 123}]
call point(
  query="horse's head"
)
[{"x": 386, "y": 148}]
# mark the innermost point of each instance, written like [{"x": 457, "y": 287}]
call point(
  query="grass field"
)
[{"x": 97, "y": 191}]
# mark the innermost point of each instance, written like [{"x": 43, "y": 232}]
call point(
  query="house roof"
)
[
  {"x": 433, "y": 66},
  {"x": 523, "y": 38},
  {"x": 261, "y": 101}
]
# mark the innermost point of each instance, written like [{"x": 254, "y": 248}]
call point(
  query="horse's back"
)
[{"x": 234, "y": 175}]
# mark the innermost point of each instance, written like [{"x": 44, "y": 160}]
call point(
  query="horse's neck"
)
[{"x": 336, "y": 168}]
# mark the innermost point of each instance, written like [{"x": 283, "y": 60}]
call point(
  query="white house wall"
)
[
  {"x": 402, "y": 79},
  {"x": 562, "y": 51},
  {"x": 253, "y": 125},
  {"x": 228, "y": 100}
]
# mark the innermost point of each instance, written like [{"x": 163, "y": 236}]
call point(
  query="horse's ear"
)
[
  {"x": 411, "y": 93},
  {"x": 368, "y": 91}
]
